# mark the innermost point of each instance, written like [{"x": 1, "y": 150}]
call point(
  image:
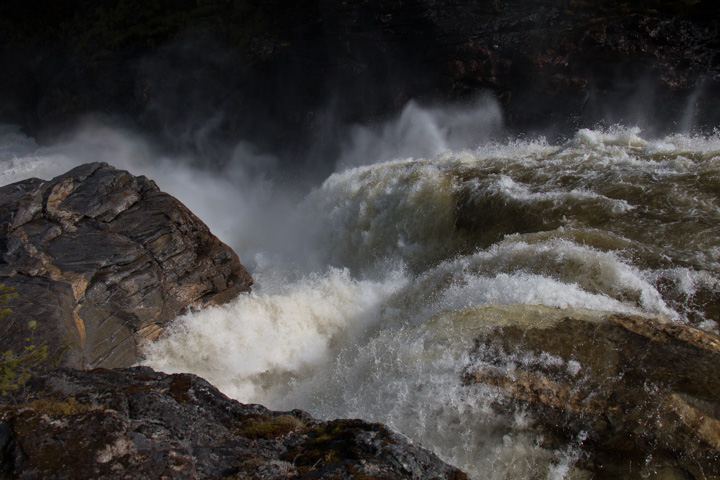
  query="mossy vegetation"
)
[
  {"x": 53, "y": 407},
  {"x": 17, "y": 367},
  {"x": 6, "y": 294},
  {"x": 266, "y": 427},
  {"x": 331, "y": 442}
]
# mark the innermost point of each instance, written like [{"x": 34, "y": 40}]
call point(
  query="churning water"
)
[{"x": 372, "y": 286}]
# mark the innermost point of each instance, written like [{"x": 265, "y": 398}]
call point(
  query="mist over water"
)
[{"x": 372, "y": 285}]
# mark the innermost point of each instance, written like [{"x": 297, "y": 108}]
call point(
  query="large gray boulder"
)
[{"x": 102, "y": 260}]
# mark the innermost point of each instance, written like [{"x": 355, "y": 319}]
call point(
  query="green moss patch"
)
[
  {"x": 266, "y": 427},
  {"x": 52, "y": 407},
  {"x": 332, "y": 442}
]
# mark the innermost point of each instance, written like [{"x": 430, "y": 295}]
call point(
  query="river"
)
[{"x": 372, "y": 285}]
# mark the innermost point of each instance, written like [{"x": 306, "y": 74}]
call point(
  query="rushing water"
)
[{"x": 371, "y": 288}]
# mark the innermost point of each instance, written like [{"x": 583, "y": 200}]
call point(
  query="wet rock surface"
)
[
  {"x": 137, "y": 423},
  {"x": 639, "y": 396},
  {"x": 102, "y": 260}
]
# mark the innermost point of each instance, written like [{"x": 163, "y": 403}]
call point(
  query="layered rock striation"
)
[
  {"x": 638, "y": 396},
  {"x": 102, "y": 260}
]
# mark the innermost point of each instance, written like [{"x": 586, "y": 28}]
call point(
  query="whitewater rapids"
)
[{"x": 371, "y": 288}]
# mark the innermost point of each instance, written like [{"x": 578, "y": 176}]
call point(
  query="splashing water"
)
[
  {"x": 371, "y": 289},
  {"x": 431, "y": 249}
]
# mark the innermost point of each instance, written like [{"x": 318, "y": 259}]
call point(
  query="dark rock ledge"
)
[
  {"x": 140, "y": 424},
  {"x": 102, "y": 260}
]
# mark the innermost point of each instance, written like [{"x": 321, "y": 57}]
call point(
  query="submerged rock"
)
[
  {"x": 641, "y": 396},
  {"x": 102, "y": 260},
  {"x": 138, "y": 423}
]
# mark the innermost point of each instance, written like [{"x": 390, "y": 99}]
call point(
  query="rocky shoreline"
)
[
  {"x": 100, "y": 261},
  {"x": 140, "y": 424}
]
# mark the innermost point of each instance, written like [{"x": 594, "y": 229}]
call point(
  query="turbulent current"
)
[{"x": 372, "y": 286}]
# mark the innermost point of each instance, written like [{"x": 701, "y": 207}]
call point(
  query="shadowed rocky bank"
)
[{"x": 140, "y": 424}]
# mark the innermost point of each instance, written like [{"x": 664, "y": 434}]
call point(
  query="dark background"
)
[{"x": 287, "y": 75}]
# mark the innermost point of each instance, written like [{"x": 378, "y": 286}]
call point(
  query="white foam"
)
[
  {"x": 365, "y": 336},
  {"x": 253, "y": 345}
]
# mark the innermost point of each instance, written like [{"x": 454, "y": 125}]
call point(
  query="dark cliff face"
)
[{"x": 285, "y": 74}]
